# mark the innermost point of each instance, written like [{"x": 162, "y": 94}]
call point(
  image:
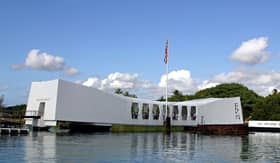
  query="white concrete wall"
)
[
  {"x": 84, "y": 104},
  {"x": 45, "y": 91},
  {"x": 224, "y": 111}
]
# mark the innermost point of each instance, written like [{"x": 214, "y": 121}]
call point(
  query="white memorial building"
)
[{"x": 52, "y": 101}]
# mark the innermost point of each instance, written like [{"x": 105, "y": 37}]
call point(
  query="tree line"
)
[{"x": 16, "y": 110}]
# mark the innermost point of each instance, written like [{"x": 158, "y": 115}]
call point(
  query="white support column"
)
[
  {"x": 150, "y": 111},
  {"x": 161, "y": 112},
  {"x": 179, "y": 112},
  {"x": 189, "y": 113},
  {"x": 140, "y": 116}
]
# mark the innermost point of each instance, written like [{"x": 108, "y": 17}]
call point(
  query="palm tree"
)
[
  {"x": 274, "y": 92},
  {"x": 177, "y": 96},
  {"x": 126, "y": 93},
  {"x": 118, "y": 91}
]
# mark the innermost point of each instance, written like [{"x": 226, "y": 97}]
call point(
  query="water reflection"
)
[
  {"x": 140, "y": 147},
  {"x": 40, "y": 148},
  {"x": 261, "y": 146}
]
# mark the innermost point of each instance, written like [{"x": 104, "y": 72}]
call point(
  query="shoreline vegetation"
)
[
  {"x": 255, "y": 107},
  {"x": 12, "y": 115}
]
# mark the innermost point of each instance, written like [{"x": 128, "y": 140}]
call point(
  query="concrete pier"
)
[{"x": 13, "y": 131}]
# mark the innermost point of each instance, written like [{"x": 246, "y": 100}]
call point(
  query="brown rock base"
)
[{"x": 220, "y": 129}]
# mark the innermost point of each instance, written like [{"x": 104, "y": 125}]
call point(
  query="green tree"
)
[
  {"x": 126, "y": 93},
  {"x": 118, "y": 91},
  {"x": 268, "y": 108},
  {"x": 274, "y": 92},
  {"x": 129, "y": 95},
  {"x": 15, "y": 110},
  {"x": 177, "y": 96},
  {"x": 161, "y": 98}
]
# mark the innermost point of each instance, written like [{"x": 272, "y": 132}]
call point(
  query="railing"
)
[
  {"x": 12, "y": 113},
  {"x": 16, "y": 118},
  {"x": 33, "y": 113},
  {"x": 21, "y": 114}
]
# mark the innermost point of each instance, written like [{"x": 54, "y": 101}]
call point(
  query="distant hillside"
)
[{"x": 268, "y": 108}]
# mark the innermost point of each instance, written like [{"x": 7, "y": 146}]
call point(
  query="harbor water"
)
[{"x": 139, "y": 147}]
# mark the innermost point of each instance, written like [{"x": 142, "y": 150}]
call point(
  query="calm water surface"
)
[{"x": 139, "y": 147}]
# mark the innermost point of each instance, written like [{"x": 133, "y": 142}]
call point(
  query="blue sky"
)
[{"x": 99, "y": 38}]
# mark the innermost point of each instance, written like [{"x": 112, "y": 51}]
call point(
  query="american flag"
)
[{"x": 166, "y": 53}]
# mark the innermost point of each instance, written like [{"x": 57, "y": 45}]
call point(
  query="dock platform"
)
[{"x": 14, "y": 131}]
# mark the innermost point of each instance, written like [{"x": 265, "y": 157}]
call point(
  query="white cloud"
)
[
  {"x": 92, "y": 82},
  {"x": 207, "y": 84},
  {"x": 180, "y": 80},
  {"x": 233, "y": 77},
  {"x": 43, "y": 61},
  {"x": 119, "y": 80},
  {"x": 127, "y": 82},
  {"x": 252, "y": 51},
  {"x": 70, "y": 71},
  {"x": 261, "y": 82}
]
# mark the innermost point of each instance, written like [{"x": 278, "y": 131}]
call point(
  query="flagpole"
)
[
  {"x": 167, "y": 121},
  {"x": 166, "y": 89}
]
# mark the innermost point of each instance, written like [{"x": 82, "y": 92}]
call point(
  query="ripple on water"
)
[{"x": 140, "y": 147}]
